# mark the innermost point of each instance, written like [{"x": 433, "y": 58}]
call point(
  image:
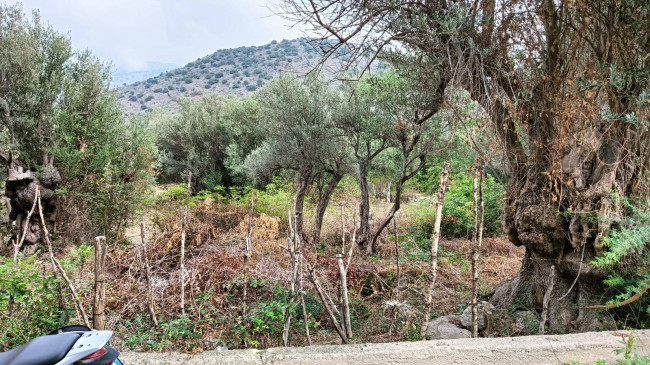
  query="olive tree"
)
[
  {"x": 300, "y": 135},
  {"x": 565, "y": 84},
  {"x": 64, "y": 135}
]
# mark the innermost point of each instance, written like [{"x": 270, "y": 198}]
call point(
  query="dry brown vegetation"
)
[{"x": 216, "y": 233}]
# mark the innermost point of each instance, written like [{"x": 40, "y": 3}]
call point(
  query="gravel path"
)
[{"x": 552, "y": 349}]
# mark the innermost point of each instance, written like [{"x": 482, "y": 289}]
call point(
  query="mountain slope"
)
[{"x": 237, "y": 71}]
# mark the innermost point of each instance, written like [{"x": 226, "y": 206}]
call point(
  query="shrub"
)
[
  {"x": 30, "y": 301},
  {"x": 457, "y": 211}
]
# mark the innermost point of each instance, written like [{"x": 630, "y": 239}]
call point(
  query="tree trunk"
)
[
  {"x": 323, "y": 203},
  {"x": 533, "y": 221},
  {"x": 21, "y": 188},
  {"x": 364, "y": 206},
  {"x": 304, "y": 178}
]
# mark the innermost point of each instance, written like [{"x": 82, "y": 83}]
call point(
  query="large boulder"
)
[
  {"x": 485, "y": 309},
  {"x": 446, "y": 327}
]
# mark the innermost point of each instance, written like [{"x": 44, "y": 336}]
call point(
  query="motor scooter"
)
[{"x": 72, "y": 345}]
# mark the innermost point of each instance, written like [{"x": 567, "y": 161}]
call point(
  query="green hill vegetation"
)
[
  {"x": 238, "y": 71},
  {"x": 292, "y": 173}
]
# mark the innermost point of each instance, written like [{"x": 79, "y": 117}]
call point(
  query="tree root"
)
[{"x": 632, "y": 299}]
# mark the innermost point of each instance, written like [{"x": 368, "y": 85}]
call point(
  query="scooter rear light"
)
[{"x": 97, "y": 354}]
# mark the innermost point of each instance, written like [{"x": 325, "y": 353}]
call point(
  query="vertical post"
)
[
  {"x": 475, "y": 253},
  {"x": 147, "y": 272},
  {"x": 247, "y": 253},
  {"x": 56, "y": 265},
  {"x": 100, "y": 287},
  {"x": 344, "y": 296},
  {"x": 183, "y": 228},
  {"x": 396, "y": 252},
  {"x": 293, "y": 246},
  {"x": 433, "y": 263}
]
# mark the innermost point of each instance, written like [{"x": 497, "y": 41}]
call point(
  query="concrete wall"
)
[{"x": 556, "y": 349}]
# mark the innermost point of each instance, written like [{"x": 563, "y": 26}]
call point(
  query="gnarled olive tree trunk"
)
[{"x": 21, "y": 186}]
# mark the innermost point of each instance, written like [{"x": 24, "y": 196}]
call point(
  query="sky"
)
[{"x": 132, "y": 33}]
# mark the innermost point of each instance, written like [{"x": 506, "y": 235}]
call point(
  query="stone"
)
[
  {"x": 466, "y": 317},
  {"x": 446, "y": 327},
  {"x": 526, "y": 321}
]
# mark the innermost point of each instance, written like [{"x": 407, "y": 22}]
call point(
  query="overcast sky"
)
[{"x": 131, "y": 33}]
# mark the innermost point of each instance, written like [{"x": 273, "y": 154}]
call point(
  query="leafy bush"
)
[
  {"x": 29, "y": 302},
  {"x": 210, "y": 137},
  {"x": 457, "y": 211},
  {"x": 629, "y": 243}
]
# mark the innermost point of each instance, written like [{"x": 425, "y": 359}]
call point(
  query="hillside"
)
[
  {"x": 237, "y": 71},
  {"x": 122, "y": 77}
]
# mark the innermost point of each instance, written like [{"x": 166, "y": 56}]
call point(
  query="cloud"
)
[{"x": 132, "y": 33}]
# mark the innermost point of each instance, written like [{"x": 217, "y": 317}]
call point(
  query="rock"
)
[
  {"x": 466, "y": 317},
  {"x": 446, "y": 327},
  {"x": 5, "y": 208},
  {"x": 526, "y": 321}
]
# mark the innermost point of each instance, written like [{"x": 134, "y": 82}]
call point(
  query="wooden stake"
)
[
  {"x": 324, "y": 299},
  {"x": 183, "y": 227},
  {"x": 344, "y": 296},
  {"x": 477, "y": 238},
  {"x": 475, "y": 253},
  {"x": 396, "y": 253},
  {"x": 293, "y": 245},
  {"x": 247, "y": 253},
  {"x": 147, "y": 271},
  {"x": 302, "y": 303},
  {"x": 100, "y": 287},
  {"x": 57, "y": 264},
  {"x": 433, "y": 263}
]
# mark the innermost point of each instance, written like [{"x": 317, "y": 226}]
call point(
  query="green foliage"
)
[
  {"x": 29, "y": 302},
  {"x": 295, "y": 121},
  {"x": 457, "y": 210},
  {"x": 57, "y": 102},
  {"x": 274, "y": 201},
  {"x": 209, "y": 137},
  {"x": 630, "y": 237}
]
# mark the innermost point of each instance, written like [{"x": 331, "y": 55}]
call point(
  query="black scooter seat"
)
[{"x": 44, "y": 350}]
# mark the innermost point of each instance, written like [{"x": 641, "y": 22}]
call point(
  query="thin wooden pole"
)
[
  {"x": 147, "y": 270},
  {"x": 302, "y": 303},
  {"x": 397, "y": 279},
  {"x": 100, "y": 287},
  {"x": 324, "y": 299},
  {"x": 57, "y": 265},
  {"x": 183, "y": 228},
  {"x": 247, "y": 253},
  {"x": 433, "y": 262},
  {"x": 475, "y": 252},
  {"x": 344, "y": 296}
]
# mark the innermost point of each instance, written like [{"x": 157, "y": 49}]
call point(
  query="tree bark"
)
[
  {"x": 364, "y": 206},
  {"x": 433, "y": 261},
  {"x": 304, "y": 179},
  {"x": 322, "y": 205}
]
